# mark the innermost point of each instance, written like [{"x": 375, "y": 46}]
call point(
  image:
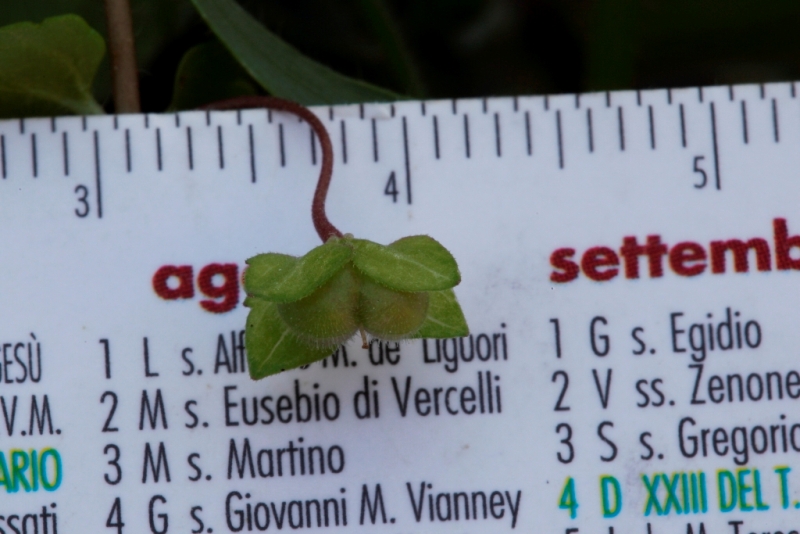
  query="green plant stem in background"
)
[
  {"x": 402, "y": 63},
  {"x": 278, "y": 67},
  {"x": 122, "y": 52}
]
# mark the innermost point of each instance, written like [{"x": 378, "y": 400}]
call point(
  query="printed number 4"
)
[
  {"x": 391, "y": 188},
  {"x": 568, "y": 500}
]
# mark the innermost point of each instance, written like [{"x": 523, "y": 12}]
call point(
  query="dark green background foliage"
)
[{"x": 461, "y": 48}]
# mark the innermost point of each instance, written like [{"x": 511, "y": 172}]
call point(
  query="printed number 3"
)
[
  {"x": 565, "y": 459},
  {"x": 83, "y": 193}
]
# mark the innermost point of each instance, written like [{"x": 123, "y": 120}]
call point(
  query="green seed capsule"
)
[
  {"x": 327, "y": 316},
  {"x": 389, "y": 314}
]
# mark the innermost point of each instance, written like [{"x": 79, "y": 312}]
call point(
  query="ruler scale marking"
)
[
  {"x": 715, "y": 146},
  {"x": 251, "y": 146},
  {"x": 407, "y": 159},
  {"x": 98, "y": 187},
  {"x": 65, "y": 151},
  {"x": 560, "y": 141},
  {"x": 34, "y": 157}
]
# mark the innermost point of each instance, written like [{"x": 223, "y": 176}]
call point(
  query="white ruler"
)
[{"x": 629, "y": 278}]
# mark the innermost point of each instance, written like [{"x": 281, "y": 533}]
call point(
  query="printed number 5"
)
[
  {"x": 701, "y": 171},
  {"x": 83, "y": 193}
]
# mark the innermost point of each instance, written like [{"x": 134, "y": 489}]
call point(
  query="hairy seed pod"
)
[
  {"x": 327, "y": 316},
  {"x": 389, "y": 314}
]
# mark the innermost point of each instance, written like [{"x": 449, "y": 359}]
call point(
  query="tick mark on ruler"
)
[
  {"x": 669, "y": 96},
  {"x": 516, "y": 104},
  {"x": 560, "y": 142},
  {"x": 546, "y": 102},
  {"x": 281, "y": 147},
  {"x": 466, "y": 135},
  {"x": 638, "y": 97},
  {"x": 528, "y": 137},
  {"x": 683, "y": 125},
  {"x": 252, "y": 154},
  {"x": 700, "y": 93},
  {"x": 652, "y": 127},
  {"x": 189, "y": 147},
  {"x": 361, "y": 111},
  {"x": 453, "y": 105},
  {"x": 34, "y": 156},
  {"x": 53, "y": 124},
  {"x": 577, "y": 100},
  {"x": 716, "y": 149},
  {"x": 730, "y": 93},
  {"x": 374, "y": 140},
  {"x": 314, "y": 148},
  {"x": 408, "y": 163},
  {"x": 177, "y": 121},
  {"x": 3, "y": 154},
  {"x": 220, "y": 148},
  {"x": 208, "y": 117},
  {"x": 422, "y": 108},
  {"x": 158, "y": 148},
  {"x": 744, "y": 122},
  {"x": 65, "y": 150},
  {"x": 128, "y": 149},
  {"x": 22, "y": 126},
  {"x": 621, "y": 128},
  {"x": 590, "y": 129},
  {"x": 497, "y": 135},
  {"x": 97, "y": 175},
  {"x": 762, "y": 90},
  {"x": 608, "y": 99},
  {"x": 343, "y": 128},
  {"x": 391, "y": 107},
  {"x": 239, "y": 117},
  {"x": 775, "y": 120},
  {"x": 436, "y": 136},
  {"x": 83, "y": 123},
  {"x": 792, "y": 90}
]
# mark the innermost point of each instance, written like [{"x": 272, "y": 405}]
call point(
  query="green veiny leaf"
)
[
  {"x": 282, "y": 278},
  {"x": 389, "y": 314},
  {"x": 48, "y": 68},
  {"x": 415, "y": 263},
  {"x": 271, "y": 346},
  {"x": 208, "y": 73},
  {"x": 277, "y": 66},
  {"x": 445, "y": 318},
  {"x": 329, "y": 314}
]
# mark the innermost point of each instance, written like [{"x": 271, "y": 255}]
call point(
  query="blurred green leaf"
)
[
  {"x": 277, "y": 66},
  {"x": 445, "y": 318},
  {"x": 414, "y": 263},
  {"x": 391, "y": 39},
  {"x": 48, "y": 68},
  {"x": 281, "y": 278},
  {"x": 208, "y": 73}
]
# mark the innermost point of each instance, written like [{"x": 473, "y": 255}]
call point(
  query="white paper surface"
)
[{"x": 409, "y": 435}]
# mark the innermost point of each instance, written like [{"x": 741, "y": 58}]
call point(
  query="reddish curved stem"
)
[{"x": 324, "y": 228}]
